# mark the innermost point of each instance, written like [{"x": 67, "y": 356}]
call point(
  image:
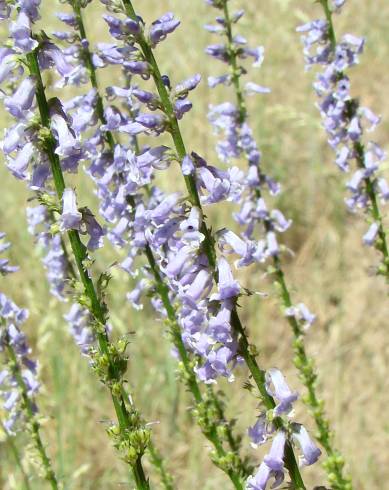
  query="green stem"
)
[
  {"x": 79, "y": 251},
  {"x": 209, "y": 249},
  {"x": 158, "y": 462},
  {"x": 32, "y": 420},
  {"x": 331, "y": 30},
  {"x": 306, "y": 367},
  {"x": 17, "y": 457},
  {"x": 235, "y": 72},
  {"x": 139, "y": 475},
  {"x": 162, "y": 288}
]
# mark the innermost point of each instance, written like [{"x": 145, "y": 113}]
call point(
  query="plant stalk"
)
[
  {"x": 303, "y": 363},
  {"x": 32, "y": 420},
  {"x": 374, "y": 211},
  {"x": 80, "y": 255},
  {"x": 209, "y": 249},
  {"x": 163, "y": 289}
]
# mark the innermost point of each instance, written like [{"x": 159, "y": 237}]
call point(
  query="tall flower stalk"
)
[
  {"x": 208, "y": 407},
  {"x": 233, "y": 121},
  {"x": 50, "y": 134},
  {"x": 185, "y": 247},
  {"x": 18, "y": 379},
  {"x": 346, "y": 123},
  {"x": 109, "y": 361}
]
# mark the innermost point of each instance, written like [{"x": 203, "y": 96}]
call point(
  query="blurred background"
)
[{"x": 329, "y": 269}]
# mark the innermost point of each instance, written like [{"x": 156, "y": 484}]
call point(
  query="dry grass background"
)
[{"x": 330, "y": 270}]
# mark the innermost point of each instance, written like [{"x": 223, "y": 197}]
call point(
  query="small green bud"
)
[
  {"x": 122, "y": 346},
  {"x": 222, "y": 431},
  {"x": 131, "y": 456},
  {"x": 116, "y": 389},
  {"x": 103, "y": 360},
  {"x": 253, "y": 350}
]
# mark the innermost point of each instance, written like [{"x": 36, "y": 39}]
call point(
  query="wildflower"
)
[
  {"x": 70, "y": 216},
  {"x": 311, "y": 452}
]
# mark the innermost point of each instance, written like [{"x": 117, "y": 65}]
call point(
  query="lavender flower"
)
[
  {"x": 310, "y": 452},
  {"x": 70, "y": 216},
  {"x": 54, "y": 260},
  {"x": 12, "y": 339},
  {"x": 264, "y": 474},
  {"x": 79, "y": 320},
  {"x": 20, "y": 31},
  {"x": 254, "y": 214},
  {"x": 280, "y": 391},
  {"x": 22, "y": 99},
  {"x": 162, "y": 27}
]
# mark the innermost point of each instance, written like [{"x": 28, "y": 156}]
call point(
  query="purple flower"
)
[
  {"x": 68, "y": 145},
  {"x": 30, "y": 7},
  {"x": 311, "y": 453},
  {"x": 370, "y": 236},
  {"x": 5, "y": 10},
  {"x": 301, "y": 313},
  {"x": 135, "y": 295},
  {"x": 152, "y": 121},
  {"x": 258, "y": 433},
  {"x": 20, "y": 31},
  {"x": 221, "y": 80},
  {"x": 182, "y": 106},
  {"x": 93, "y": 229},
  {"x": 275, "y": 458},
  {"x": 54, "y": 259},
  {"x": 253, "y": 88},
  {"x": 187, "y": 166},
  {"x": 70, "y": 216},
  {"x": 51, "y": 55},
  {"x": 21, "y": 101},
  {"x": 228, "y": 287},
  {"x": 219, "y": 326},
  {"x": 79, "y": 320},
  {"x": 280, "y": 391},
  {"x": 13, "y": 137},
  {"x": 218, "y": 51},
  {"x": 260, "y": 480},
  {"x": 162, "y": 27},
  {"x": 7, "y": 63},
  {"x": 19, "y": 165},
  {"x": 181, "y": 90},
  {"x": 138, "y": 67},
  {"x": 383, "y": 188}
]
